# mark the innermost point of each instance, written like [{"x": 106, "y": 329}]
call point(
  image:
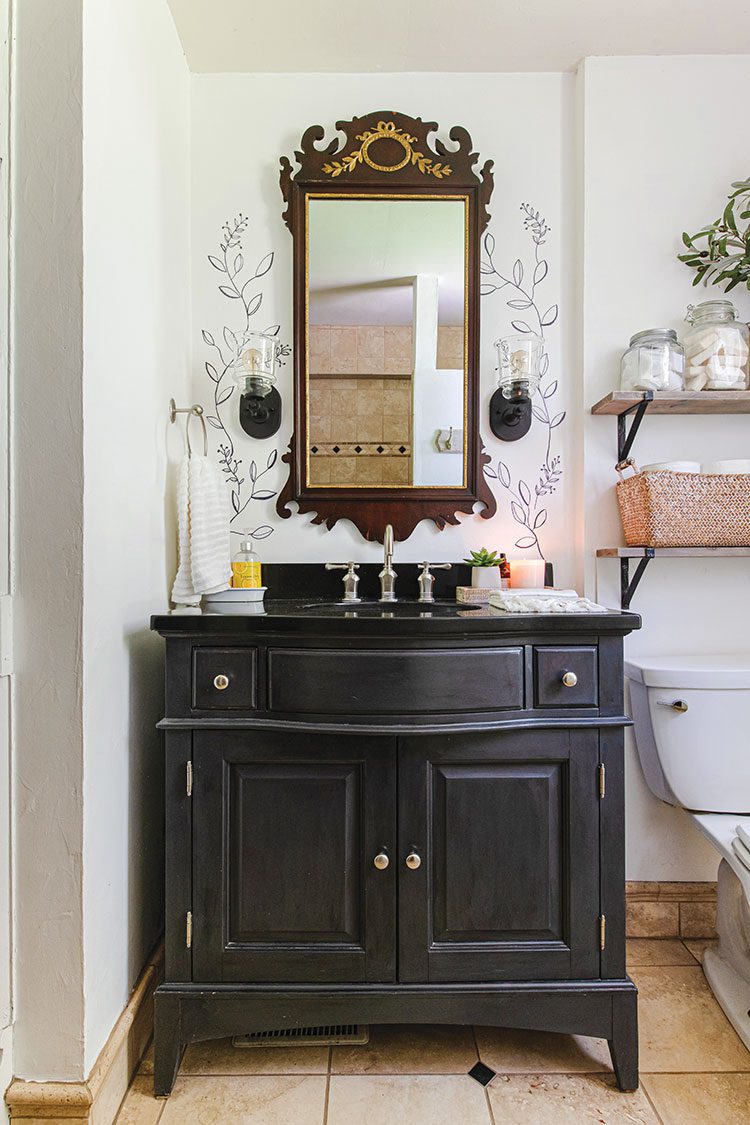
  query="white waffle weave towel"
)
[
  {"x": 512, "y": 601},
  {"x": 203, "y": 531}
]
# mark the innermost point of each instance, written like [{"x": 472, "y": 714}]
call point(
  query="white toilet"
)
[{"x": 692, "y": 728}]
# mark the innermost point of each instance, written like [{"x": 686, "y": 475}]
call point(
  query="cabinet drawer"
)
[
  {"x": 396, "y": 682},
  {"x": 551, "y": 667},
  {"x": 224, "y": 679}
]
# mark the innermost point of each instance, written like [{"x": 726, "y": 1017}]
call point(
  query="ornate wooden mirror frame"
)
[{"x": 386, "y": 154}]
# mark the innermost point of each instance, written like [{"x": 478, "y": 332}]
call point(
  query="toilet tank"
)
[{"x": 698, "y": 758}]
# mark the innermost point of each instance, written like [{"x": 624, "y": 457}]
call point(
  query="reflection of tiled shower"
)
[{"x": 360, "y": 401}]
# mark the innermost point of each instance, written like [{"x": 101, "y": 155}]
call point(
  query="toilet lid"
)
[{"x": 703, "y": 670}]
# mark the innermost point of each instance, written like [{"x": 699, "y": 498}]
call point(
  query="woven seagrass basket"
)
[{"x": 664, "y": 509}]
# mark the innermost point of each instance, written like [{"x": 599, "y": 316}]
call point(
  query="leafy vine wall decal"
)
[
  {"x": 529, "y": 508},
  {"x": 237, "y": 285}
]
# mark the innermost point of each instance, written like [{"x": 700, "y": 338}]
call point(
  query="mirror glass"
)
[{"x": 386, "y": 341}]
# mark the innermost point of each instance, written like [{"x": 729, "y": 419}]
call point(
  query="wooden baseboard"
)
[
  {"x": 96, "y": 1100},
  {"x": 671, "y": 910}
]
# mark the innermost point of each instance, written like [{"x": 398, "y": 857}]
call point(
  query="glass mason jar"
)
[
  {"x": 655, "y": 361},
  {"x": 254, "y": 370},
  {"x": 716, "y": 348}
]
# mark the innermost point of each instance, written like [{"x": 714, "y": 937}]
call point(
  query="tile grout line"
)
[
  {"x": 488, "y": 1103},
  {"x": 647, "y": 1096},
  {"x": 327, "y": 1098}
]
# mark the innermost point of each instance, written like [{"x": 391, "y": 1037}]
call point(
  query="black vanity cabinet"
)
[{"x": 394, "y": 819}]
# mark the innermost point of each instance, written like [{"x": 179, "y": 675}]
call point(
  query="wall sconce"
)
[
  {"x": 519, "y": 358},
  {"x": 260, "y": 402}
]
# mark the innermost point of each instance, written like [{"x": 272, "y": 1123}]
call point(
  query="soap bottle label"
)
[{"x": 246, "y": 575}]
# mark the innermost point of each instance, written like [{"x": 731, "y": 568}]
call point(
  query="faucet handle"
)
[
  {"x": 427, "y": 580},
  {"x": 351, "y": 580}
]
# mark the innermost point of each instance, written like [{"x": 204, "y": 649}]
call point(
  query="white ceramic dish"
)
[
  {"x": 235, "y": 597},
  {"x": 672, "y": 467}
]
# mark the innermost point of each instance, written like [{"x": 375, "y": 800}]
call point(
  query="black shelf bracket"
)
[
  {"x": 625, "y": 438},
  {"x": 628, "y": 585}
]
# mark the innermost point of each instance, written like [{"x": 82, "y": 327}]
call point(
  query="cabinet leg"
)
[
  {"x": 167, "y": 1045},
  {"x": 623, "y": 1046}
]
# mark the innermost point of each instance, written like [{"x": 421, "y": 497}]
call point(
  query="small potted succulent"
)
[{"x": 485, "y": 569}]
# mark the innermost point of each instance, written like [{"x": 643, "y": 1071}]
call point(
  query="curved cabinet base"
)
[{"x": 602, "y": 1009}]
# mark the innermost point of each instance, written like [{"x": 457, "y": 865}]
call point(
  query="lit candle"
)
[{"x": 527, "y": 573}]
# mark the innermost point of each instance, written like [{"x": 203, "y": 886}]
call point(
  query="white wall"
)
[
  {"x": 662, "y": 145},
  {"x": 47, "y": 357},
  {"x": 136, "y": 340},
  {"x": 243, "y": 124}
]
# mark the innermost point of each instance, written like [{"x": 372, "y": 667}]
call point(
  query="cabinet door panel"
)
[
  {"x": 507, "y": 828},
  {"x": 286, "y": 827}
]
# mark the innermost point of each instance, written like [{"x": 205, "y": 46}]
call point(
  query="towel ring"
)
[{"x": 194, "y": 411}]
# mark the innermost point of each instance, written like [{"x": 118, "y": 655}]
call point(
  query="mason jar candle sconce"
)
[
  {"x": 520, "y": 360},
  {"x": 260, "y": 402}
]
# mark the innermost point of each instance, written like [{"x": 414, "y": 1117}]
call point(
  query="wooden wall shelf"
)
[
  {"x": 673, "y": 552},
  {"x": 676, "y": 402}
]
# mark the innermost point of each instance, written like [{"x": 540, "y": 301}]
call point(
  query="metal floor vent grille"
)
[{"x": 329, "y": 1034}]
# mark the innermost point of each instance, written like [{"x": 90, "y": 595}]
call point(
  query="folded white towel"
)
[
  {"x": 742, "y": 853},
  {"x": 203, "y": 531},
  {"x": 516, "y": 601},
  {"x": 744, "y": 835}
]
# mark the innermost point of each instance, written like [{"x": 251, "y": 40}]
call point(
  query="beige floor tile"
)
[
  {"x": 657, "y": 951},
  {"x": 140, "y": 1107},
  {"x": 682, "y": 1028},
  {"x": 653, "y": 919},
  {"x": 218, "y": 1056},
  {"x": 406, "y": 1100},
  {"x": 699, "y": 1099},
  {"x": 523, "y": 1052},
  {"x": 260, "y": 1100},
  {"x": 413, "y": 1049},
  {"x": 567, "y": 1100},
  {"x": 698, "y": 946}
]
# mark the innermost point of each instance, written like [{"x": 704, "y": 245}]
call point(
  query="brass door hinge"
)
[
  {"x": 189, "y": 929},
  {"x": 189, "y": 779},
  {"x": 602, "y": 931},
  {"x": 602, "y": 780}
]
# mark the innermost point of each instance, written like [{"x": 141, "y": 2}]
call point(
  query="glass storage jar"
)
[
  {"x": 716, "y": 348},
  {"x": 654, "y": 361}
]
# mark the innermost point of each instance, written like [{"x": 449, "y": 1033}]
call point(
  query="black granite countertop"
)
[{"x": 406, "y": 617}]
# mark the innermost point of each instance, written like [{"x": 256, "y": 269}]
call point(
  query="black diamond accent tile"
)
[
  {"x": 314, "y": 449},
  {"x": 357, "y": 448},
  {"x": 380, "y": 449},
  {"x": 336, "y": 449},
  {"x": 483, "y": 1074},
  {"x": 402, "y": 449}
]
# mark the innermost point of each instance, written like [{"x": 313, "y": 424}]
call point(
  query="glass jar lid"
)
[
  {"x": 718, "y": 309},
  {"x": 654, "y": 336}
]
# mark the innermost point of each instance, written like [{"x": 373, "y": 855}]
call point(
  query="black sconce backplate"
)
[
  {"x": 261, "y": 417},
  {"x": 510, "y": 419}
]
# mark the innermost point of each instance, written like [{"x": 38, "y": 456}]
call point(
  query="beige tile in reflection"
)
[
  {"x": 370, "y": 396},
  {"x": 343, "y": 401},
  {"x": 369, "y": 470},
  {"x": 450, "y": 349},
  {"x": 698, "y": 946},
  {"x": 343, "y": 470},
  {"x": 320, "y": 470},
  {"x": 260, "y": 1100},
  {"x": 371, "y": 341},
  {"x": 220, "y": 1057},
  {"x": 682, "y": 1028},
  {"x": 140, "y": 1107},
  {"x": 395, "y": 428},
  {"x": 700, "y": 1099},
  {"x": 533, "y": 1099},
  {"x": 369, "y": 427},
  {"x": 398, "y": 366},
  {"x": 344, "y": 348},
  {"x": 320, "y": 396},
  {"x": 653, "y": 919},
  {"x": 320, "y": 427},
  {"x": 396, "y": 396},
  {"x": 521, "y": 1052},
  {"x": 344, "y": 428},
  {"x": 406, "y": 1100},
  {"x": 657, "y": 951},
  {"x": 396, "y": 470},
  {"x": 413, "y": 1049},
  {"x": 320, "y": 341},
  {"x": 397, "y": 343}
]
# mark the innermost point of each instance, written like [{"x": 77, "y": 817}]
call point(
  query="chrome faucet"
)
[{"x": 388, "y": 574}]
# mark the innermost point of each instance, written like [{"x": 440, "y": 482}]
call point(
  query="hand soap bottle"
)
[{"x": 246, "y": 568}]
